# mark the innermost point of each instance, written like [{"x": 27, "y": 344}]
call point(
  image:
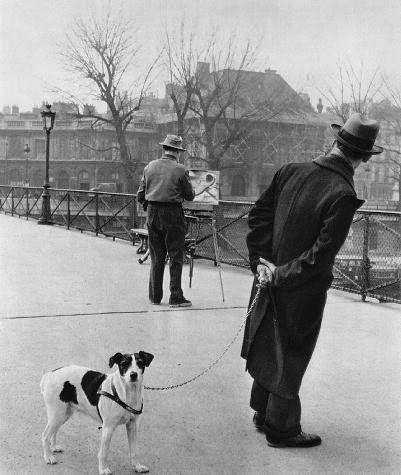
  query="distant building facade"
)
[{"x": 81, "y": 156}]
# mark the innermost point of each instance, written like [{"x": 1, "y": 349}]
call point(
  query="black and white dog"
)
[{"x": 112, "y": 399}]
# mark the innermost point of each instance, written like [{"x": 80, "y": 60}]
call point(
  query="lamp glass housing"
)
[{"x": 48, "y": 118}]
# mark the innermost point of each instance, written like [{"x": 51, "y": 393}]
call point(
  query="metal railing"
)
[
  {"x": 108, "y": 214},
  {"x": 368, "y": 264}
]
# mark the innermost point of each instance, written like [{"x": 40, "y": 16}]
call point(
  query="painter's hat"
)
[{"x": 173, "y": 141}]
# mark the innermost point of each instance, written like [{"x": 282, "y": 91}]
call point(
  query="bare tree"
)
[
  {"x": 180, "y": 61},
  {"x": 213, "y": 96},
  {"x": 103, "y": 52},
  {"x": 353, "y": 91},
  {"x": 201, "y": 100},
  {"x": 216, "y": 88}
]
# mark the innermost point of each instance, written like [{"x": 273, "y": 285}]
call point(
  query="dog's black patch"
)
[
  {"x": 69, "y": 393},
  {"x": 90, "y": 383},
  {"x": 125, "y": 363},
  {"x": 143, "y": 359},
  {"x": 115, "y": 359}
]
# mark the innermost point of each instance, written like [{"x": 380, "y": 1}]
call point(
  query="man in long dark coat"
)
[{"x": 297, "y": 227}]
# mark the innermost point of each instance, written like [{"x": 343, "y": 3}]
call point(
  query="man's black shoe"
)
[
  {"x": 301, "y": 440},
  {"x": 259, "y": 421},
  {"x": 182, "y": 302},
  {"x": 154, "y": 303}
]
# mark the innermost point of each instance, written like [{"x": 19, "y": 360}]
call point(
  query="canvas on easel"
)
[{"x": 206, "y": 184}]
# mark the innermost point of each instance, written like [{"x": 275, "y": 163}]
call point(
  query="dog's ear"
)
[
  {"x": 146, "y": 357},
  {"x": 116, "y": 359}
]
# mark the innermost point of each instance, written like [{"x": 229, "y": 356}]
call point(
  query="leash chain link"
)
[{"x": 150, "y": 388}]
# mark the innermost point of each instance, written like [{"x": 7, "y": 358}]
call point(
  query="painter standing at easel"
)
[{"x": 164, "y": 186}]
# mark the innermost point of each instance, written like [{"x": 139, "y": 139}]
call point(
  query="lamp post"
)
[
  {"x": 26, "y": 151},
  {"x": 48, "y": 122},
  {"x": 6, "y": 170}
]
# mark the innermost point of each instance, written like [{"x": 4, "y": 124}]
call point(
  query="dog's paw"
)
[
  {"x": 105, "y": 471},
  {"x": 138, "y": 468},
  {"x": 51, "y": 459},
  {"x": 56, "y": 449}
]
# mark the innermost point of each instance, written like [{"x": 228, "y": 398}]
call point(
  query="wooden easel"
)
[{"x": 205, "y": 218}]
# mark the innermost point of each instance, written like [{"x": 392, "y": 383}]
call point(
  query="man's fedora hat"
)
[
  {"x": 358, "y": 134},
  {"x": 173, "y": 141}
]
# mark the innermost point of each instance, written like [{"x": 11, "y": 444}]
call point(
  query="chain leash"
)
[{"x": 214, "y": 363}]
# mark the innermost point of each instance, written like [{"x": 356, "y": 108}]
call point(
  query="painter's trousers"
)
[{"x": 166, "y": 227}]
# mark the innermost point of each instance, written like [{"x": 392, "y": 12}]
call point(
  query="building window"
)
[
  {"x": 38, "y": 178},
  {"x": 40, "y": 148},
  {"x": 238, "y": 185},
  {"x": 103, "y": 175},
  {"x": 63, "y": 180},
  {"x": 15, "y": 146},
  {"x": 83, "y": 180}
]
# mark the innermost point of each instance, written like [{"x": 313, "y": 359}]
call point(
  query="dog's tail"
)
[{"x": 42, "y": 382}]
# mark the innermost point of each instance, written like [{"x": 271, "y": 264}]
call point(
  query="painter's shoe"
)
[{"x": 181, "y": 302}]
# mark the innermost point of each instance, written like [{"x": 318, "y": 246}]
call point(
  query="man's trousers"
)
[
  {"x": 282, "y": 416},
  {"x": 166, "y": 228}
]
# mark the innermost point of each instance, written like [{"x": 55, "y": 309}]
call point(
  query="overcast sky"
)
[{"x": 304, "y": 40}]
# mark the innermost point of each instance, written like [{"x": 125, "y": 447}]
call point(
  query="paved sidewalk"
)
[{"x": 70, "y": 297}]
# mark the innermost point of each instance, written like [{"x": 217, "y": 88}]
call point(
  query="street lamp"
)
[
  {"x": 6, "y": 170},
  {"x": 48, "y": 122},
  {"x": 26, "y": 151}
]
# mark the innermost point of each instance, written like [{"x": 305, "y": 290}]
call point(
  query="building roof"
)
[
  {"x": 262, "y": 96},
  {"x": 267, "y": 96}
]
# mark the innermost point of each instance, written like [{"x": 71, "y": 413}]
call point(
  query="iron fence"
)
[
  {"x": 108, "y": 214},
  {"x": 368, "y": 264}
]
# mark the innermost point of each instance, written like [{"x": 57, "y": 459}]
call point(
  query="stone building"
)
[
  {"x": 277, "y": 126},
  {"x": 81, "y": 156}
]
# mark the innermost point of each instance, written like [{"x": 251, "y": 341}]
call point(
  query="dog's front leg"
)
[
  {"x": 107, "y": 432},
  {"x": 132, "y": 433}
]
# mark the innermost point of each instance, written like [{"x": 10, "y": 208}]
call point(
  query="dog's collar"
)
[{"x": 115, "y": 397}]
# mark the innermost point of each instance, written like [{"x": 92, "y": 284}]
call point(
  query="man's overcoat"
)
[{"x": 299, "y": 223}]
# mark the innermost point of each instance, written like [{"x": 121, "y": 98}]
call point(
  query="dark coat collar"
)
[{"x": 337, "y": 164}]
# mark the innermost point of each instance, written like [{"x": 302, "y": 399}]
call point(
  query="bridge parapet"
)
[{"x": 368, "y": 264}]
